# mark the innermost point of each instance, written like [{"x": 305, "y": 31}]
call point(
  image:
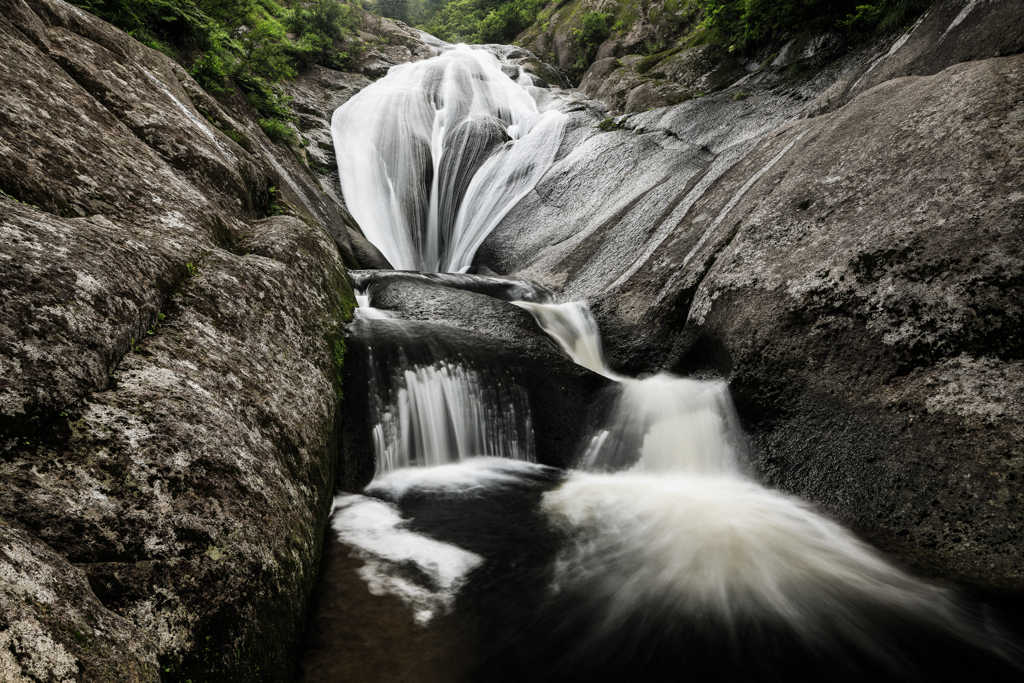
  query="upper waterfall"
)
[{"x": 432, "y": 156}]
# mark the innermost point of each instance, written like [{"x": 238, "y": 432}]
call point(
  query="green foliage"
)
[
  {"x": 275, "y": 208},
  {"x": 503, "y": 24},
  {"x": 279, "y": 132},
  {"x": 157, "y": 23},
  {"x": 588, "y": 37},
  {"x": 469, "y": 21},
  {"x": 744, "y": 24},
  {"x": 254, "y": 44}
]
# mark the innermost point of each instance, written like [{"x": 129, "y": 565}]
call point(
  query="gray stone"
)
[{"x": 170, "y": 400}]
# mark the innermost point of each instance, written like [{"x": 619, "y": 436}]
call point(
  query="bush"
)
[
  {"x": 211, "y": 72},
  {"x": 244, "y": 41},
  {"x": 279, "y": 132},
  {"x": 157, "y": 23},
  {"x": 588, "y": 37},
  {"x": 745, "y": 24},
  {"x": 502, "y": 25}
]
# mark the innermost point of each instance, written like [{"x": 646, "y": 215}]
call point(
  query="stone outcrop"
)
[
  {"x": 173, "y": 308},
  {"x": 845, "y": 248}
]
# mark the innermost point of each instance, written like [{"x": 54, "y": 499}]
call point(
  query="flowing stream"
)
[{"x": 658, "y": 556}]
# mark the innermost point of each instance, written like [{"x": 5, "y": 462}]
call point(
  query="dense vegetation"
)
[
  {"x": 464, "y": 21},
  {"x": 240, "y": 42},
  {"x": 736, "y": 24},
  {"x": 255, "y": 44},
  {"x": 748, "y": 23}
]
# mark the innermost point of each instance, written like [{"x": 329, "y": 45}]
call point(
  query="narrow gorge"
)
[{"x": 496, "y": 379}]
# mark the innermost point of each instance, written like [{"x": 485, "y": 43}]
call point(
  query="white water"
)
[
  {"x": 730, "y": 549},
  {"x": 433, "y": 156},
  {"x": 444, "y": 413},
  {"x": 661, "y": 423},
  {"x": 573, "y": 327},
  {"x": 374, "y": 529}
]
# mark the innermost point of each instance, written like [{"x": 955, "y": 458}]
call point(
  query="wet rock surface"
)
[
  {"x": 170, "y": 357},
  {"x": 854, "y": 273}
]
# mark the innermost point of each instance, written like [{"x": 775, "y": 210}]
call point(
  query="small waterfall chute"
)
[
  {"x": 662, "y": 423},
  {"x": 433, "y": 401}
]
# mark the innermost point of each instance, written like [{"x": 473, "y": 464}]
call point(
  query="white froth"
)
[
  {"x": 724, "y": 546},
  {"x": 474, "y": 475},
  {"x": 374, "y": 530}
]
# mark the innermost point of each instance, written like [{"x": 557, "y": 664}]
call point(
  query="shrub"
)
[
  {"x": 747, "y": 23},
  {"x": 588, "y": 37},
  {"x": 245, "y": 41},
  {"x": 279, "y": 131}
]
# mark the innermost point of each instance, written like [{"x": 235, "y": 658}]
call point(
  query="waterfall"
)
[
  {"x": 434, "y": 402},
  {"x": 573, "y": 327},
  {"x": 658, "y": 557},
  {"x": 662, "y": 423},
  {"x": 435, "y": 154}
]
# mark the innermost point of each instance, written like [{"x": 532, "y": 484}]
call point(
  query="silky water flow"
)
[{"x": 658, "y": 557}]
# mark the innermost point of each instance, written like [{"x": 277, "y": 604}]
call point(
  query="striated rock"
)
[
  {"x": 172, "y": 307},
  {"x": 856, "y": 275},
  {"x": 317, "y": 93},
  {"x": 385, "y": 43}
]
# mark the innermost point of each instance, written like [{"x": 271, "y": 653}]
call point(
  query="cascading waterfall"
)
[
  {"x": 658, "y": 558},
  {"x": 434, "y": 403},
  {"x": 433, "y": 156}
]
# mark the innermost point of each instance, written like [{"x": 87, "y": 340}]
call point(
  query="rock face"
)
[
  {"x": 316, "y": 94},
  {"x": 633, "y": 28},
  {"x": 173, "y": 306},
  {"x": 846, "y": 249}
]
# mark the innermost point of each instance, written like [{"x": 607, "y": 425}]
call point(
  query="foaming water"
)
[
  {"x": 373, "y": 528},
  {"x": 445, "y": 412},
  {"x": 668, "y": 424},
  {"x": 725, "y": 546},
  {"x": 661, "y": 423},
  {"x": 434, "y": 155},
  {"x": 659, "y": 557},
  {"x": 623, "y": 576},
  {"x": 665, "y": 558}
]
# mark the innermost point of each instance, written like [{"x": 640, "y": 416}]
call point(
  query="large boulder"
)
[{"x": 170, "y": 353}]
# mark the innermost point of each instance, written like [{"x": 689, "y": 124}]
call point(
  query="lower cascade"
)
[{"x": 657, "y": 556}]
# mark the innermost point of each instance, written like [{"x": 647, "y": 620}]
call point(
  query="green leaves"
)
[
  {"x": 742, "y": 24},
  {"x": 244, "y": 41},
  {"x": 588, "y": 37}
]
